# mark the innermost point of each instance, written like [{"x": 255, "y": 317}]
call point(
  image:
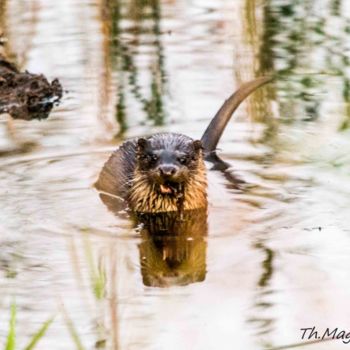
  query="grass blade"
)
[
  {"x": 11, "y": 337},
  {"x": 97, "y": 273},
  {"x": 39, "y": 334},
  {"x": 73, "y": 332}
]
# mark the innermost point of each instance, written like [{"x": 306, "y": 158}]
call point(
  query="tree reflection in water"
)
[{"x": 130, "y": 29}]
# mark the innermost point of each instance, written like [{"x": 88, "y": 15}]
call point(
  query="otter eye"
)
[
  {"x": 153, "y": 157},
  {"x": 182, "y": 160}
]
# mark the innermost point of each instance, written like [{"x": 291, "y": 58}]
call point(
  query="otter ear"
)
[
  {"x": 141, "y": 144},
  {"x": 197, "y": 144}
]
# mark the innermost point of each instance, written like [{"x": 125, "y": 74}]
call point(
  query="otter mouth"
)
[{"x": 170, "y": 188}]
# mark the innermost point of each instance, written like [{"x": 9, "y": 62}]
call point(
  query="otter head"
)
[{"x": 168, "y": 161}]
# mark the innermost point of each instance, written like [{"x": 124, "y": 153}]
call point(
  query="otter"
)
[{"x": 165, "y": 172}]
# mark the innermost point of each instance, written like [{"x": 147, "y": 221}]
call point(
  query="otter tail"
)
[{"x": 217, "y": 126}]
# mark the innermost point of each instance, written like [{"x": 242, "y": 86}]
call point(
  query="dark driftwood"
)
[{"x": 24, "y": 95}]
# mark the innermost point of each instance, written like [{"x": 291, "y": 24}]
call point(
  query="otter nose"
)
[{"x": 167, "y": 170}]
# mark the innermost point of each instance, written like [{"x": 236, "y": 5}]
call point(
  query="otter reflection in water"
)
[{"x": 173, "y": 246}]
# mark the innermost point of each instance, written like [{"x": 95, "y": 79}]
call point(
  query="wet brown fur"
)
[
  {"x": 144, "y": 197},
  {"x": 122, "y": 177}
]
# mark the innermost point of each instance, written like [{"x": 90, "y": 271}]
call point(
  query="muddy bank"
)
[{"x": 24, "y": 95}]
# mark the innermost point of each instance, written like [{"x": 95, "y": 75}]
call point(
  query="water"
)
[{"x": 276, "y": 254}]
